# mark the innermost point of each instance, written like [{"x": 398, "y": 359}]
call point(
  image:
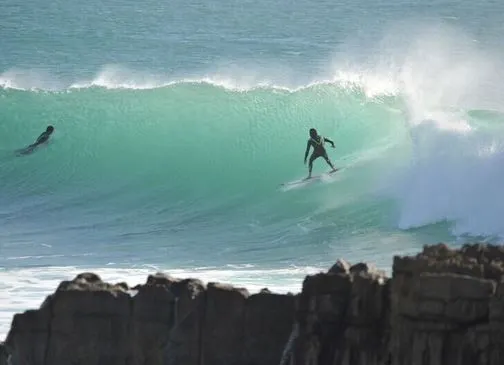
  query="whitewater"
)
[{"x": 181, "y": 171}]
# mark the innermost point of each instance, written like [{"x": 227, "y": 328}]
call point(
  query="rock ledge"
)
[{"x": 441, "y": 306}]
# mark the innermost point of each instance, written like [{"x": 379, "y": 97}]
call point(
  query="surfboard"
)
[
  {"x": 307, "y": 180},
  {"x": 25, "y": 151}
]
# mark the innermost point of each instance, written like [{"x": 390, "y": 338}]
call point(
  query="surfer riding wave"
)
[{"x": 317, "y": 142}]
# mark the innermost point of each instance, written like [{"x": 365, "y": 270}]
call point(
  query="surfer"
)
[
  {"x": 44, "y": 137},
  {"x": 317, "y": 142}
]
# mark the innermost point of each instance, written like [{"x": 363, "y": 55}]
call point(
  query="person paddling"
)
[{"x": 43, "y": 138}]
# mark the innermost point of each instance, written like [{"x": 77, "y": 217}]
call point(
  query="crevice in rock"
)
[
  {"x": 384, "y": 326},
  {"x": 202, "y": 306},
  {"x": 172, "y": 322},
  {"x": 287, "y": 352},
  {"x": 426, "y": 356},
  {"x": 336, "y": 340},
  {"x": 129, "y": 329},
  {"x": 243, "y": 332},
  {"x": 49, "y": 303}
]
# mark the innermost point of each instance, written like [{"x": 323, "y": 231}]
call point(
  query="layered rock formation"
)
[
  {"x": 343, "y": 317},
  {"x": 165, "y": 321},
  {"x": 440, "y": 307},
  {"x": 3, "y": 354},
  {"x": 447, "y": 307}
]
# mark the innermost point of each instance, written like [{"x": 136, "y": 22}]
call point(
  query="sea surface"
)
[{"x": 177, "y": 121}]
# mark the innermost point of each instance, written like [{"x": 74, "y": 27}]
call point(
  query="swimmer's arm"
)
[
  {"x": 328, "y": 140},
  {"x": 41, "y": 139}
]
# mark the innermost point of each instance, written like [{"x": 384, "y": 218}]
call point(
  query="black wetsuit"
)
[
  {"x": 42, "y": 138},
  {"x": 318, "y": 148}
]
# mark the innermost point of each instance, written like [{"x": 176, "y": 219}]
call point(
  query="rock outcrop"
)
[
  {"x": 3, "y": 354},
  {"x": 442, "y": 306},
  {"x": 165, "y": 321},
  {"x": 342, "y": 317},
  {"x": 447, "y": 307}
]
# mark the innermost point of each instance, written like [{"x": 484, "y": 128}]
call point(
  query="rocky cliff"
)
[{"x": 442, "y": 306}]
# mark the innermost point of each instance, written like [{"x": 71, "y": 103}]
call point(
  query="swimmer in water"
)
[{"x": 43, "y": 138}]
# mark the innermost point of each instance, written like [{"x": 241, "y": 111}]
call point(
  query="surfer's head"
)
[
  {"x": 50, "y": 129},
  {"x": 313, "y": 133}
]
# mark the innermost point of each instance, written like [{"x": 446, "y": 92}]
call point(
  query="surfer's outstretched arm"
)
[
  {"x": 307, "y": 150},
  {"x": 328, "y": 140}
]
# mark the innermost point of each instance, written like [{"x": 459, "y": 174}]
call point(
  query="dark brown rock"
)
[
  {"x": 446, "y": 306},
  {"x": 457, "y": 298},
  {"x": 442, "y": 306},
  {"x": 366, "y": 304},
  {"x": 4, "y": 355},
  {"x": 152, "y": 318},
  {"x": 223, "y": 339},
  {"x": 439, "y": 251},
  {"x": 415, "y": 265},
  {"x": 497, "y": 305},
  {"x": 340, "y": 318},
  {"x": 485, "y": 261},
  {"x": 483, "y": 253},
  {"x": 28, "y": 338},
  {"x": 89, "y": 324},
  {"x": 268, "y": 323},
  {"x": 359, "y": 346},
  {"x": 168, "y": 321},
  {"x": 160, "y": 279},
  {"x": 362, "y": 268},
  {"x": 340, "y": 267},
  {"x": 323, "y": 283},
  {"x": 184, "y": 342},
  {"x": 306, "y": 349}
]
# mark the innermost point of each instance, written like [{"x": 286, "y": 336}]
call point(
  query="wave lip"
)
[
  {"x": 116, "y": 77},
  {"x": 443, "y": 153}
]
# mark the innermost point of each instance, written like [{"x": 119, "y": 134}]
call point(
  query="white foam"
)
[
  {"x": 29, "y": 79},
  {"x": 457, "y": 178},
  {"x": 455, "y": 170},
  {"x": 238, "y": 79}
]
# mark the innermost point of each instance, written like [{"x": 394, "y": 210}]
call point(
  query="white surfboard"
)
[{"x": 310, "y": 180}]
